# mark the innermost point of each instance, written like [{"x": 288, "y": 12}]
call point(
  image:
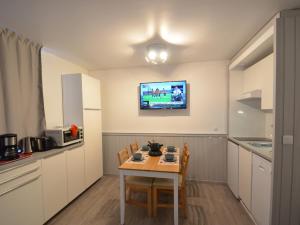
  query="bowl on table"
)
[
  {"x": 170, "y": 157},
  {"x": 145, "y": 148},
  {"x": 171, "y": 149},
  {"x": 137, "y": 157}
]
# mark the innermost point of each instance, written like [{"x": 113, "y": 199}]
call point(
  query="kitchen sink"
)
[{"x": 261, "y": 144}]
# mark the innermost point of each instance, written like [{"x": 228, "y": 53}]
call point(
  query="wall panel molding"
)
[{"x": 208, "y": 160}]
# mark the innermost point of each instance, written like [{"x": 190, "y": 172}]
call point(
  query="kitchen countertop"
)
[
  {"x": 36, "y": 156},
  {"x": 264, "y": 152}
]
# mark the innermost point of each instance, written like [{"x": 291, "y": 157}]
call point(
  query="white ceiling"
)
[{"x": 114, "y": 33}]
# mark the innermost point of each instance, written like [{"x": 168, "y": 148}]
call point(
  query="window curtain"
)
[{"x": 21, "y": 95}]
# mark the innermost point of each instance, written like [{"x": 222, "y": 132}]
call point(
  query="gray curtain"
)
[{"x": 21, "y": 96}]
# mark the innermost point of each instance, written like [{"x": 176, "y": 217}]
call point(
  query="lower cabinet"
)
[
  {"x": 34, "y": 193},
  {"x": 233, "y": 168},
  {"x": 245, "y": 176},
  {"x": 75, "y": 172},
  {"x": 21, "y": 200},
  {"x": 54, "y": 184},
  {"x": 261, "y": 190}
]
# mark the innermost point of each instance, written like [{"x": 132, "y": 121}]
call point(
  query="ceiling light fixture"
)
[{"x": 156, "y": 54}]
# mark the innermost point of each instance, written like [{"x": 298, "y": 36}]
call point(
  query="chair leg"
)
[
  {"x": 128, "y": 194},
  {"x": 154, "y": 205},
  {"x": 149, "y": 201},
  {"x": 183, "y": 199}
]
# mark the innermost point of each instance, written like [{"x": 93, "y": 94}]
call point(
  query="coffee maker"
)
[{"x": 8, "y": 147}]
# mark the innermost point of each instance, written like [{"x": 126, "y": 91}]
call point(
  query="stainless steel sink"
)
[{"x": 261, "y": 144}]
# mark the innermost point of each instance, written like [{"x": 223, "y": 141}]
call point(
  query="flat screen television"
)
[{"x": 163, "y": 95}]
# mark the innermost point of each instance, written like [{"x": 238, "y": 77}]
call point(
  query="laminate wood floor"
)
[{"x": 208, "y": 204}]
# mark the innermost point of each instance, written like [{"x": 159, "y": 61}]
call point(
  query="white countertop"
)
[{"x": 264, "y": 152}]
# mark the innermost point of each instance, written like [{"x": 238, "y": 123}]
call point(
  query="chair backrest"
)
[
  {"x": 134, "y": 147},
  {"x": 184, "y": 165},
  {"x": 185, "y": 148},
  {"x": 123, "y": 156}
]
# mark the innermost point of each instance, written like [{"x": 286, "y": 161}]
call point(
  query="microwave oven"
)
[{"x": 63, "y": 136}]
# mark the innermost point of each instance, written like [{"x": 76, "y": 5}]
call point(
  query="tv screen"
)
[{"x": 163, "y": 95}]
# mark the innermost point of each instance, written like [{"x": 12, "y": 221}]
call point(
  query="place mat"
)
[
  {"x": 163, "y": 162},
  {"x": 145, "y": 158}
]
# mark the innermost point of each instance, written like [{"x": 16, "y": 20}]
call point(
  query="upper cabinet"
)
[
  {"x": 91, "y": 93},
  {"x": 251, "y": 83},
  {"x": 80, "y": 92},
  {"x": 260, "y": 77}
]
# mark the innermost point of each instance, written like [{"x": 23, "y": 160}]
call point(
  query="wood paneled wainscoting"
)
[{"x": 208, "y": 160}]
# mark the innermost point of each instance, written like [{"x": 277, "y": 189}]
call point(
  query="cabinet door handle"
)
[{"x": 19, "y": 185}]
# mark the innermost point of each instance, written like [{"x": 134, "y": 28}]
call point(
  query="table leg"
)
[
  {"x": 175, "y": 199},
  {"x": 122, "y": 197}
]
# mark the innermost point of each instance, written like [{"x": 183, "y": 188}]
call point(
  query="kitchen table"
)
[{"x": 151, "y": 167}]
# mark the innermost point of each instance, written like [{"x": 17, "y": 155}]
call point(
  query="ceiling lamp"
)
[{"x": 156, "y": 54}]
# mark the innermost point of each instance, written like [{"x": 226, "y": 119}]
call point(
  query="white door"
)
[
  {"x": 261, "y": 190},
  {"x": 245, "y": 176},
  {"x": 54, "y": 184},
  {"x": 92, "y": 146},
  {"x": 75, "y": 172},
  {"x": 91, "y": 92},
  {"x": 233, "y": 168}
]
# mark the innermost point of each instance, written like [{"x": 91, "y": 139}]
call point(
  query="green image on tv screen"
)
[{"x": 163, "y": 95}]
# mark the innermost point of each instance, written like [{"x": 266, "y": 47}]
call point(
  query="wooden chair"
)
[
  {"x": 186, "y": 149},
  {"x": 134, "y": 147},
  {"x": 136, "y": 184},
  {"x": 161, "y": 185},
  {"x": 123, "y": 156}
]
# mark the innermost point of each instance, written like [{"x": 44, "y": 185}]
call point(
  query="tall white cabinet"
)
[{"x": 82, "y": 106}]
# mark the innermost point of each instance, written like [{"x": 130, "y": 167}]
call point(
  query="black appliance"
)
[
  {"x": 40, "y": 144},
  {"x": 155, "y": 149},
  {"x": 8, "y": 147}
]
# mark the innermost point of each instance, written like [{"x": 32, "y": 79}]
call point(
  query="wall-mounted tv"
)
[{"x": 163, "y": 95}]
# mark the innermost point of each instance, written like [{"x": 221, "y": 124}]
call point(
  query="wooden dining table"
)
[{"x": 152, "y": 166}]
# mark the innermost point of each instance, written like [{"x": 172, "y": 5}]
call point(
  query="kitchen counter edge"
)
[
  {"x": 37, "y": 156},
  {"x": 250, "y": 149}
]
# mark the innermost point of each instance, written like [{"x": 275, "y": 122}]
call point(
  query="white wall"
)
[
  {"x": 207, "y": 111},
  {"x": 52, "y": 69}
]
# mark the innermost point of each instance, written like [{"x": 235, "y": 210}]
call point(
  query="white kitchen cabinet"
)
[
  {"x": 267, "y": 87},
  {"x": 93, "y": 146},
  {"x": 75, "y": 172},
  {"x": 233, "y": 168},
  {"x": 21, "y": 199},
  {"x": 91, "y": 92},
  {"x": 82, "y": 106},
  {"x": 260, "y": 76},
  {"x": 245, "y": 176},
  {"x": 54, "y": 184},
  {"x": 261, "y": 190}
]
